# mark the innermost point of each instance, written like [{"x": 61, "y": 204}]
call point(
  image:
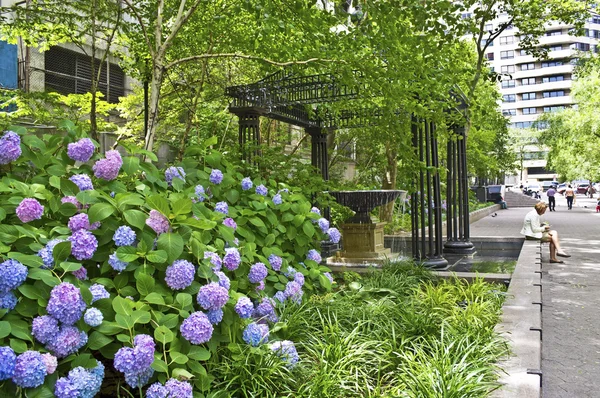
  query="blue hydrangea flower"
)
[
  {"x": 222, "y": 207},
  {"x": 292, "y": 288},
  {"x": 212, "y": 296},
  {"x": 81, "y": 150},
  {"x": 196, "y": 328},
  {"x": 262, "y": 190},
  {"x": 135, "y": 380},
  {"x": 244, "y": 307},
  {"x": 10, "y": 147},
  {"x": 157, "y": 390},
  {"x": 329, "y": 276},
  {"x": 257, "y": 273},
  {"x": 215, "y": 260},
  {"x": 180, "y": 274},
  {"x": 116, "y": 264},
  {"x": 290, "y": 272},
  {"x": 46, "y": 253},
  {"x": 12, "y": 275},
  {"x": 174, "y": 172},
  {"x": 223, "y": 280},
  {"x": 8, "y": 300},
  {"x": 260, "y": 286},
  {"x": 255, "y": 334},
  {"x": 124, "y": 236},
  {"x": 30, "y": 370},
  {"x": 66, "y": 303},
  {"x": 315, "y": 210},
  {"x": 215, "y": 316},
  {"x": 323, "y": 224},
  {"x": 313, "y": 255},
  {"x": 51, "y": 363},
  {"x": 280, "y": 296},
  {"x": 68, "y": 341},
  {"x": 232, "y": 258},
  {"x": 98, "y": 292},
  {"x": 200, "y": 194},
  {"x": 7, "y": 363},
  {"x": 286, "y": 350},
  {"x": 80, "y": 383},
  {"x": 265, "y": 311},
  {"x": 216, "y": 176},
  {"x": 135, "y": 362},
  {"x": 93, "y": 317},
  {"x": 178, "y": 389},
  {"x": 44, "y": 328},
  {"x": 83, "y": 182},
  {"x": 277, "y": 199},
  {"x": 83, "y": 244},
  {"x": 29, "y": 209},
  {"x": 275, "y": 262},
  {"x": 334, "y": 235},
  {"x": 299, "y": 278},
  {"x": 246, "y": 184}
]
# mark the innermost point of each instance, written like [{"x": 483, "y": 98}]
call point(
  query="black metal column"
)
[
  {"x": 319, "y": 157},
  {"x": 249, "y": 135}
]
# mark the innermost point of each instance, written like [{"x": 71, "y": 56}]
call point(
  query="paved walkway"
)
[{"x": 570, "y": 296}]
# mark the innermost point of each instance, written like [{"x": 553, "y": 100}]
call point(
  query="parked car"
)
[
  {"x": 546, "y": 185},
  {"x": 582, "y": 188},
  {"x": 533, "y": 190},
  {"x": 561, "y": 188}
]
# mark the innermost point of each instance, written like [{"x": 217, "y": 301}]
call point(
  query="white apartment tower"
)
[{"x": 531, "y": 87}]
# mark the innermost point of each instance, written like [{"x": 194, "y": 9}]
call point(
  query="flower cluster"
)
[
  {"x": 315, "y": 210},
  {"x": 83, "y": 182},
  {"x": 255, "y": 334},
  {"x": 180, "y": 274},
  {"x": 293, "y": 291},
  {"x": 223, "y": 280},
  {"x": 108, "y": 168},
  {"x": 80, "y": 382},
  {"x": 81, "y": 150},
  {"x": 215, "y": 260},
  {"x": 215, "y": 316},
  {"x": 116, "y": 264},
  {"x": 257, "y": 273},
  {"x": 232, "y": 258},
  {"x": 67, "y": 341},
  {"x": 173, "y": 388},
  {"x": 216, "y": 176},
  {"x": 73, "y": 200},
  {"x": 212, "y": 296},
  {"x": 30, "y": 370},
  {"x": 334, "y": 235},
  {"x": 135, "y": 362},
  {"x": 222, "y": 207},
  {"x": 174, "y": 172},
  {"x": 200, "y": 194},
  {"x": 277, "y": 199},
  {"x": 246, "y": 184},
  {"x": 261, "y": 190},
  {"x": 244, "y": 307},
  {"x": 7, "y": 363},
  {"x": 158, "y": 222},
  {"x": 275, "y": 262},
  {"x": 229, "y": 222},
  {"x": 93, "y": 317},
  {"x": 99, "y": 292},
  {"x": 286, "y": 350},
  {"x": 313, "y": 255},
  {"x": 8, "y": 300},
  {"x": 197, "y": 328},
  {"x": 66, "y": 304},
  {"x": 12, "y": 275},
  {"x": 29, "y": 209},
  {"x": 81, "y": 221},
  {"x": 124, "y": 236},
  {"x": 10, "y": 147},
  {"x": 83, "y": 244},
  {"x": 265, "y": 311},
  {"x": 323, "y": 224}
]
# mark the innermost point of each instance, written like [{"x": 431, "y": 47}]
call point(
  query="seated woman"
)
[{"x": 534, "y": 229}]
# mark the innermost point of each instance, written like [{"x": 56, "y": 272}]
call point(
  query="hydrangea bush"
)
[{"x": 108, "y": 263}]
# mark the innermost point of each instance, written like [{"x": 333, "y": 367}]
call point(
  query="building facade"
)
[{"x": 531, "y": 87}]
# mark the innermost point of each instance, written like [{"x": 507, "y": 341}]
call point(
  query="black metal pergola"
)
[{"x": 287, "y": 97}]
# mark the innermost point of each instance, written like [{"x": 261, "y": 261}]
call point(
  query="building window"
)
[
  {"x": 580, "y": 46},
  {"x": 508, "y": 83},
  {"x": 489, "y": 43},
  {"x": 523, "y": 125},
  {"x": 507, "y": 40},
  {"x": 488, "y": 27},
  {"x": 509, "y": 98},
  {"x": 528, "y": 66},
  {"x": 523, "y": 52},
  {"x": 509, "y": 112},
  {"x": 489, "y": 56},
  {"x": 554, "y": 32},
  {"x": 550, "y": 64},
  {"x": 528, "y": 96},
  {"x": 528, "y": 81},
  {"x": 550, "y": 109},
  {"x": 69, "y": 72},
  {"x": 507, "y": 54},
  {"x": 556, "y": 47},
  {"x": 595, "y": 19},
  {"x": 551, "y": 94},
  {"x": 550, "y": 79},
  {"x": 466, "y": 15},
  {"x": 529, "y": 111},
  {"x": 507, "y": 69}
]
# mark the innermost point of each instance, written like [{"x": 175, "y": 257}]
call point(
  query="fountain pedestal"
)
[{"x": 364, "y": 242}]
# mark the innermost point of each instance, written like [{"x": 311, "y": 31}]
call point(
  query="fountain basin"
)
[{"x": 363, "y": 202}]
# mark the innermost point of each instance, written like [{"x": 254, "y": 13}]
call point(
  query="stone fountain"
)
[{"x": 363, "y": 236}]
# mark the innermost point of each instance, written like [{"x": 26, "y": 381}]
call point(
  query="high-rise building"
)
[{"x": 531, "y": 87}]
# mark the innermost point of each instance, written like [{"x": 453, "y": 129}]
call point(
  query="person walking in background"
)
[
  {"x": 570, "y": 195},
  {"x": 551, "y": 199},
  {"x": 534, "y": 229}
]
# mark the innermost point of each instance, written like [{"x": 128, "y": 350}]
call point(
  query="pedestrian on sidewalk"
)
[
  {"x": 534, "y": 229},
  {"x": 551, "y": 199},
  {"x": 570, "y": 195}
]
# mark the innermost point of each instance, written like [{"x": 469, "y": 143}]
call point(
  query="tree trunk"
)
[
  {"x": 389, "y": 181},
  {"x": 94, "y": 82},
  {"x": 158, "y": 75}
]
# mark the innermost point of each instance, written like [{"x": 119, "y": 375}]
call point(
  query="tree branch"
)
[
  {"x": 251, "y": 57},
  {"x": 141, "y": 22}
]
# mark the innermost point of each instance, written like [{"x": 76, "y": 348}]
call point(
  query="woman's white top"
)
[{"x": 532, "y": 225}]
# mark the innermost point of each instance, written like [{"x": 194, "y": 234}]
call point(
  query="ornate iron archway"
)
[{"x": 285, "y": 97}]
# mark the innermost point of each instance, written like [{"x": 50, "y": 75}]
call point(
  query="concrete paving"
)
[{"x": 570, "y": 354}]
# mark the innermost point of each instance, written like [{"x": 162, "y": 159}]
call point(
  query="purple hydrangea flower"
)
[
  {"x": 157, "y": 390},
  {"x": 315, "y": 210},
  {"x": 212, "y": 296},
  {"x": 68, "y": 341},
  {"x": 279, "y": 296},
  {"x": 81, "y": 221},
  {"x": 329, "y": 276},
  {"x": 108, "y": 168},
  {"x": 323, "y": 224},
  {"x": 7, "y": 363},
  {"x": 215, "y": 316},
  {"x": 313, "y": 255},
  {"x": 30, "y": 370},
  {"x": 275, "y": 262},
  {"x": 137, "y": 360},
  {"x": 299, "y": 278},
  {"x": 216, "y": 176},
  {"x": 83, "y": 244},
  {"x": 83, "y": 182},
  {"x": 292, "y": 288},
  {"x": 10, "y": 147},
  {"x": 244, "y": 307},
  {"x": 257, "y": 273},
  {"x": 157, "y": 222},
  {"x": 66, "y": 303},
  {"x": 46, "y": 253},
  {"x": 124, "y": 236},
  {"x": 51, "y": 363},
  {"x": 200, "y": 194},
  {"x": 12, "y": 275},
  {"x": 135, "y": 380},
  {"x": 232, "y": 258},
  {"x": 260, "y": 286},
  {"x": 229, "y": 222},
  {"x": 334, "y": 235},
  {"x": 180, "y": 274},
  {"x": 222, "y": 207},
  {"x": 223, "y": 280},
  {"x": 93, "y": 317},
  {"x": 178, "y": 389},
  {"x": 80, "y": 274},
  {"x": 215, "y": 260},
  {"x": 44, "y": 328},
  {"x": 29, "y": 209},
  {"x": 246, "y": 184},
  {"x": 266, "y": 311},
  {"x": 8, "y": 301},
  {"x": 80, "y": 383},
  {"x": 262, "y": 190},
  {"x": 255, "y": 334},
  {"x": 277, "y": 199},
  {"x": 286, "y": 350},
  {"x": 196, "y": 328},
  {"x": 73, "y": 200},
  {"x": 290, "y": 272},
  {"x": 174, "y": 172},
  {"x": 81, "y": 150},
  {"x": 99, "y": 292},
  {"x": 116, "y": 264}
]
